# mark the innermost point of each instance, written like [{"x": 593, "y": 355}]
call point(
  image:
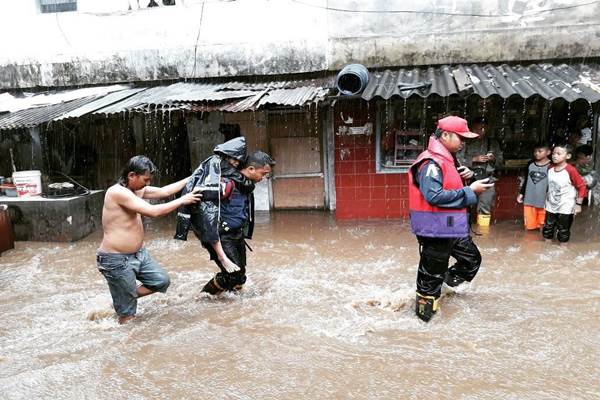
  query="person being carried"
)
[
  {"x": 566, "y": 191},
  {"x": 122, "y": 257},
  {"x": 535, "y": 187},
  {"x": 236, "y": 223},
  {"x": 438, "y": 201},
  {"x": 208, "y": 178}
]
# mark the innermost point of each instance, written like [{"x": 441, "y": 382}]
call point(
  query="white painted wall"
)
[{"x": 107, "y": 41}]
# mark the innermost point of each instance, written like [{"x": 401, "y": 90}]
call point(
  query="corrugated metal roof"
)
[
  {"x": 293, "y": 97},
  {"x": 569, "y": 82},
  {"x": 284, "y": 97},
  {"x": 137, "y": 100},
  {"x": 39, "y": 115},
  {"x": 249, "y": 103},
  {"x": 161, "y": 96},
  {"x": 246, "y": 96},
  {"x": 97, "y": 104},
  {"x": 12, "y": 103}
]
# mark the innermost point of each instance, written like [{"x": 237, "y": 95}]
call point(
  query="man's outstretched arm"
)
[
  {"x": 152, "y": 192},
  {"x": 127, "y": 199}
]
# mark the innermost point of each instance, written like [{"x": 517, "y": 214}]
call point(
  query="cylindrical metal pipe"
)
[{"x": 352, "y": 79}]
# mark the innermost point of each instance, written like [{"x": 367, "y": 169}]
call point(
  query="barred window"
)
[{"x": 55, "y": 6}]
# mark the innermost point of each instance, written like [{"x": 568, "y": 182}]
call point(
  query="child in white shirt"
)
[{"x": 566, "y": 191}]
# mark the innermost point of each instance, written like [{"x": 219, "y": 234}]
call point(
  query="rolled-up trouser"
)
[
  {"x": 485, "y": 201},
  {"x": 121, "y": 272},
  {"x": 434, "y": 258},
  {"x": 559, "y": 225},
  {"x": 235, "y": 249}
]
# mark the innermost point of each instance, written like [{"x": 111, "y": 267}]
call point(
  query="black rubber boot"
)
[
  {"x": 212, "y": 287},
  {"x": 183, "y": 226},
  {"x": 237, "y": 288},
  {"x": 426, "y": 306},
  {"x": 453, "y": 280}
]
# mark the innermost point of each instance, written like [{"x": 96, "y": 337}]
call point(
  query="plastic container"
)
[
  {"x": 10, "y": 191},
  {"x": 352, "y": 79},
  {"x": 28, "y": 183}
]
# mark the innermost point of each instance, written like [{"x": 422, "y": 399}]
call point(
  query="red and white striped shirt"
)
[{"x": 564, "y": 187}]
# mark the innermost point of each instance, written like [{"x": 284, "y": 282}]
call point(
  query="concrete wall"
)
[
  {"x": 58, "y": 220},
  {"x": 118, "y": 40},
  {"x": 203, "y": 135}
]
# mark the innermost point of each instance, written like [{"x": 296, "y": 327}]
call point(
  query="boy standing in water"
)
[
  {"x": 566, "y": 191},
  {"x": 534, "y": 188},
  {"x": 122, "y": 257}
]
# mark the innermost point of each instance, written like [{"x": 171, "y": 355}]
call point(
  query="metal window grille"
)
[{"x": 54, "y": 6}]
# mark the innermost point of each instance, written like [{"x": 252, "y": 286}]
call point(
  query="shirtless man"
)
[{"x": 122, "y": 257}]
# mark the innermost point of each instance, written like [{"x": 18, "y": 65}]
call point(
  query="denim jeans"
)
[{"x": 121, "y": 272}]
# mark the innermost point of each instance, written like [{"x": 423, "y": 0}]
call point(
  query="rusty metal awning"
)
[
  {"x": 280, "y": 97},
  {"x": 99, "y": 103},
  {"x": 13, "y": 103},
  {"x": 32, "y": 110},
  {"x": 35, "y": 109},
  {"x": 31, "y": 117},
  {"x": 228, "y": 97},
  {"x": 568, "y": 82}
]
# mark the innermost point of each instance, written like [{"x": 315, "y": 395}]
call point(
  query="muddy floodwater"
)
[{"x": 327, "y": 313}]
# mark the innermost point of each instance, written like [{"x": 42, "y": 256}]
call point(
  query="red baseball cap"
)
[{"x": 456, "y": 125}]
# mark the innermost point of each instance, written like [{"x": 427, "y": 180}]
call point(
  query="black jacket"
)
[{"x": 204, "y": 215}]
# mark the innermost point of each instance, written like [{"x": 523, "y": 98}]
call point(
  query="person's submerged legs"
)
[
  {"x": 433, "y": 265},
  {"x": 120, "y": 277},
  {"x": 468, "y": 261}
]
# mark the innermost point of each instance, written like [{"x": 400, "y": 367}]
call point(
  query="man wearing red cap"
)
[{"x": 438, "y": 201}]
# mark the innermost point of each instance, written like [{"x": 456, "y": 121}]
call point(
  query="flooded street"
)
[{"x": 327, "y": 313}]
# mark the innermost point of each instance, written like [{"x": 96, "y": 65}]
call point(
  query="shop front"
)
[{"x": 515, "y": 107}]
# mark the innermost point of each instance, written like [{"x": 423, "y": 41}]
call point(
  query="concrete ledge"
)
[{"x": 55, "y": 220}]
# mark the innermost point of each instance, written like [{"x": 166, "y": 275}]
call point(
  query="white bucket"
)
[{"x": 28, "y": 183}]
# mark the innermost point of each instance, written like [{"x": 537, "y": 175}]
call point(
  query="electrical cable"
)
[
  {"x": 442, "y": 12},
  {"x": 198, "y": 39},
  {"x": 61, "y": 31}
]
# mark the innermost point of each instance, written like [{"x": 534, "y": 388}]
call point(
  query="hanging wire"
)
[{"x": 527, "y": 14}]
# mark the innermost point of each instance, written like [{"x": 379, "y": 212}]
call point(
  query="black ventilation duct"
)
[{"x": 352, "y": 79}]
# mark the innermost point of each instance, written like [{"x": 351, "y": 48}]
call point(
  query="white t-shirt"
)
[
  {"x": 561, "y": 192},
  {"x": 586, "y": 136}
]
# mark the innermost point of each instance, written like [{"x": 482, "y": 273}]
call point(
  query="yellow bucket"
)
[{"x": 483, "y": 220}]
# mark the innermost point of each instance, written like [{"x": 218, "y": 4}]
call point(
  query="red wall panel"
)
[{"x": 361, "y": 193}]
